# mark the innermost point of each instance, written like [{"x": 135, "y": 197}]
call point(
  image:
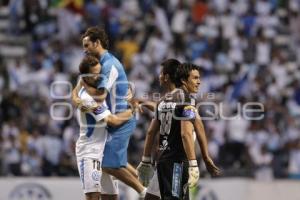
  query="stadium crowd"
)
[{"x": 248, "y": 51}]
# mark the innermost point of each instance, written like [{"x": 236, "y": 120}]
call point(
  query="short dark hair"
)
[
  {"x": 87, "y": 62},
  {"x": 169, "y": 67},
  {"x": 183, "y": 72},
  {"x": 97, "y": 33}
]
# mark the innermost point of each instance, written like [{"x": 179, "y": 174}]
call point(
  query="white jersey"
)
[{"x": 93, "y": 134}]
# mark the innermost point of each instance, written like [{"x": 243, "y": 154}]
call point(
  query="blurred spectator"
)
[
  {"x": 12, "y": 156},
  {"x": 248, "y": 52}
]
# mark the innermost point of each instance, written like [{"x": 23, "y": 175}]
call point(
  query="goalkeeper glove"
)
[
  {"x": 193, "y": 173},
  {"x": 145, "y": 171}
]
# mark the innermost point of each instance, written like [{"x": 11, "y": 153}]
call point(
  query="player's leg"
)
[
  {"x": 92, "y": 196},
  {"x": 170, "y": 179},
  {"x": 90, "y": 175},
  {"x": 109, "y": 187},
  {"x": 184, "y": 181},
  {"x": 109, "y": 197},
  {"x": 151, "y": 197},
  {"x": 115, "y": 157},
  {"x": 132, "y": 170},
  {"x": 124, "y": 175}
]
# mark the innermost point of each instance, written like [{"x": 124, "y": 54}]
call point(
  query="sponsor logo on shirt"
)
[{"x": 189, "y": 112}]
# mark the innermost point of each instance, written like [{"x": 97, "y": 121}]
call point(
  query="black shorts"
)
[{"x": 173, "y": 178}]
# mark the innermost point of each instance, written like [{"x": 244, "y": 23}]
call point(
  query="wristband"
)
[
  {"x": 193, "y": 163},
  {"x": 146, "y": 159}
]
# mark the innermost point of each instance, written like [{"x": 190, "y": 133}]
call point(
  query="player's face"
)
[
  {"x": 89, "y": 46},
  {"x": 193, "y": 82},
  {"x": 94, "y": 76},
  {"x": 161, "y": 78}
]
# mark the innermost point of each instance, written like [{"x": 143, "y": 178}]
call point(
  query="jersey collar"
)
[{"x": 103, "y": 56}]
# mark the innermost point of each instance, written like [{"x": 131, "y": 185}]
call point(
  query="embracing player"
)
[
  {"x": 93, "y": 133},
  {"x": 112, "y": 87}
]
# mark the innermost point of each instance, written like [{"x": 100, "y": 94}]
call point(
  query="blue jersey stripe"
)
[
  {"x": 82, "y": 172},
  {"x": 90, "y": 120}
]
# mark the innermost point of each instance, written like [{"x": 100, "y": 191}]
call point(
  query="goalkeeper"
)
[{"x": 175, "y": 117}]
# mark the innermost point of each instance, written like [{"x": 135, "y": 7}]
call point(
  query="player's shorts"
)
[
  {"x": 109, "y": 184},
  {"x": 115, "y": 151},
  {"x": 153, "y": 187},
  {"x": 90, "y": 174},
  {"x": 173, "y": 179}
]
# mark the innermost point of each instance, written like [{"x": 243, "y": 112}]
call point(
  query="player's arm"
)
[
  {"x": 150, "y": 105},
  {"x": 201, "y": 137},
  {"x": 75, "y": 98},
  {"x": 188, "y": 116},
  {"x": 150, "y": 137},
  {"x": 145, "y": 169},
  {"x": 187, "y": 139},
  {"x": 138, "y": 103},
  {"x": 189, "y": 148},
  {"x": 98, "y": 95},
  {"x": 202, "y": 141},
  {"x": 118, "y": 119}
]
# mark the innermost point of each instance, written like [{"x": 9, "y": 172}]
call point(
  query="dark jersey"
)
[{"x": 173, "y": 108}]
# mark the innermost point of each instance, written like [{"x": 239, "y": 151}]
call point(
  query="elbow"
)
[
  {"x": 112, "y": 121},
  {"x": 74, "y": 93},
  {"x": 187, "y": 135}
]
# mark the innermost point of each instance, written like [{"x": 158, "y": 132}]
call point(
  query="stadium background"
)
[{"x": 248, "y": 51}]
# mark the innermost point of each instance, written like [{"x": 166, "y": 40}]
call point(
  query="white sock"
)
[{"x": 143, "y": 193}]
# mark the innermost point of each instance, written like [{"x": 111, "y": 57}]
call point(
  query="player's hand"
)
[
  {"x": 145, "y": 172},
  {"x": 129, "y": 95},
  {"x": 85, "y": 106},
  {"x": 88, "y": 106},
  {"x": 193, "y": 173},
  {"x": 136, "y": 106},
  {"x": 78, "y": 103},
  {"x": 211, "y": 167}
]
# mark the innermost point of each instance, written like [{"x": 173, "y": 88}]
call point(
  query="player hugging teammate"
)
[{"x": 100, "y": 146}]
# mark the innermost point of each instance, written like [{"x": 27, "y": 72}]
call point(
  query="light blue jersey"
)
[{"x": 114, "y": 80}]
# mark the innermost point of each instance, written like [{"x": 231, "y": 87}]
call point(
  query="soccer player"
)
[
  {"x": 93, "y": 135},
  {"x": 145, "y": 168},
  {"x": 112, "y": 87}
]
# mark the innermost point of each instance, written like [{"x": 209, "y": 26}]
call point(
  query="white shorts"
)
[
  {"x": 153, "y": 187},
  {"x": 109, "y": 184},
  {"x": 90, "y": 174}
]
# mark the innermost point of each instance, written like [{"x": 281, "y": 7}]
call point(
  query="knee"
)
[
  {"x": 109, "y": 197},
  {"x": 92, "y": 196},
  {"x": 110, "y": 170}
]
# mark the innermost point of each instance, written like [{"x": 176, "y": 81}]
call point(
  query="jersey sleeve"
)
[
  {"x": 101, "y": 112},
  {"x": 187, "y": 109},
  {"x": 156, "y": 112},
  {"x": 188, "y": 112},
  {"x": 109, "y": 75}
]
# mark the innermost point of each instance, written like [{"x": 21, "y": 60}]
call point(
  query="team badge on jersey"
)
[
  {"x": 100, "y": 110},
  {"x": 96, "y": 175}
]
